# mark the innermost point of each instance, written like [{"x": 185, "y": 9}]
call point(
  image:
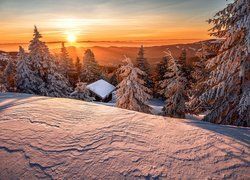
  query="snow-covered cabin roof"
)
[{"x": 101, "y": 88}]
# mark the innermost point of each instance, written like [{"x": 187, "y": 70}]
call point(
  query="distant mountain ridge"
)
[{"x": 113, "y": 55}]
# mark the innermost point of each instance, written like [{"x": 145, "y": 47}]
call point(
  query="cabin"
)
[{"x": 101, "y": 90}]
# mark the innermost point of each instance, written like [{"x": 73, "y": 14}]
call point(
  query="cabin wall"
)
[{"x": 97, "y": 98}]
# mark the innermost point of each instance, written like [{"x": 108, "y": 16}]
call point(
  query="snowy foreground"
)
[{"x": 57, "y": 138}]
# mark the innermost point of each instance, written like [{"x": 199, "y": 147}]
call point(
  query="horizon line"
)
[{"x": 104, "y": 41}]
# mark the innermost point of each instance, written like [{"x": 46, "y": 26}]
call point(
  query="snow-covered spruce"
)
[
  {"x": 182, "y": 61},
  {"x": 104, "y": 73},
  {"x": 115, "y": 78},
  {"x": 209, "y": 49},
  {"x": 57, "y": 85},
  {"x": 52, "y": 83},
  {"x": 174, "y": 88},
  {"x": 39, "y": 60},
  {"x": 160, "y": 72},
  {"x": 9, "y": 74},
  {"x": 26, "y": 81},
  {"x": 39, "y": 54},
  {"x": 132, "y": 92},
  {"x": 66, "y": 64},
  {"x": 161, "y": 68},
  {"x": 90, "y": 70},
  {"x": 78, "y": 68},
  {"x": 229, "y": 80},
  {"x": 81, "y": 92},
  {"x": 200, "y": 76},
  {"x": 142, "y": 64}
]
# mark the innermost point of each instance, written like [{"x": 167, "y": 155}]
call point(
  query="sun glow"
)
[{"x": 71, "y": 38}]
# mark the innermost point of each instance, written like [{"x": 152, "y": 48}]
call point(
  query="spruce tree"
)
[
  {"x": 44, "y": 67},
  {"x": 185, "y": 68},
  {"x": 3, "y": 63},
  {"x": 104, "y": 74},
  {"x": 142, "y": 64},
  {"x": 174, "y": 88},
  {"x": 9, "y": 75},
  {"x": 115, "y": 79},
  {"x": 183, "y": 60},
  {"x": 90, "y": 70},
  {"x": 39, "y": 54},
  {"x": 57, "y": 85},
  {"x": 229, "y": 81},
  {"x": 81, "y": 92},
  {"x": 2, "y": 83},
  {"x": 66, "y": 64},
  {"x": 161, "y": 69},
  {"x": 132, "y": 93},
  {"x": 78, "y": 67},
  {"x": 200, "y": 74},
  {"x": 25, "y": 78},
  {"x": 39, "y": 61}
]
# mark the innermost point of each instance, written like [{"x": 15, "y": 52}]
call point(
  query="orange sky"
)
[
  {"x": 114, "y": 20},
  {"x": 103, "y": 30}
]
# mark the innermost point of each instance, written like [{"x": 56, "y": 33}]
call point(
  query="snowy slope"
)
[{"x": 57, "y": 138}]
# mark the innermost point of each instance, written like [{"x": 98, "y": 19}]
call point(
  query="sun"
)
[{"x": 71, "y": 38}]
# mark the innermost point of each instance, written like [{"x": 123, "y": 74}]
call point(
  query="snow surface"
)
[
  {"x": 101, "y": 88},
  {"x": 156, "y": 105},
  {"x": 56, "y": 138}
]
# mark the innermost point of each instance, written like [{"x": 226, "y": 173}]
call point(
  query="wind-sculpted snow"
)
[{"x": 54, "y": 138}]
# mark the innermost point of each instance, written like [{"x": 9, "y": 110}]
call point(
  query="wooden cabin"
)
[{"x": 101, "y": 90}]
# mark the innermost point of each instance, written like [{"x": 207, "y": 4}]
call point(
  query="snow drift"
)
[{"x": 56, "y": 138}]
